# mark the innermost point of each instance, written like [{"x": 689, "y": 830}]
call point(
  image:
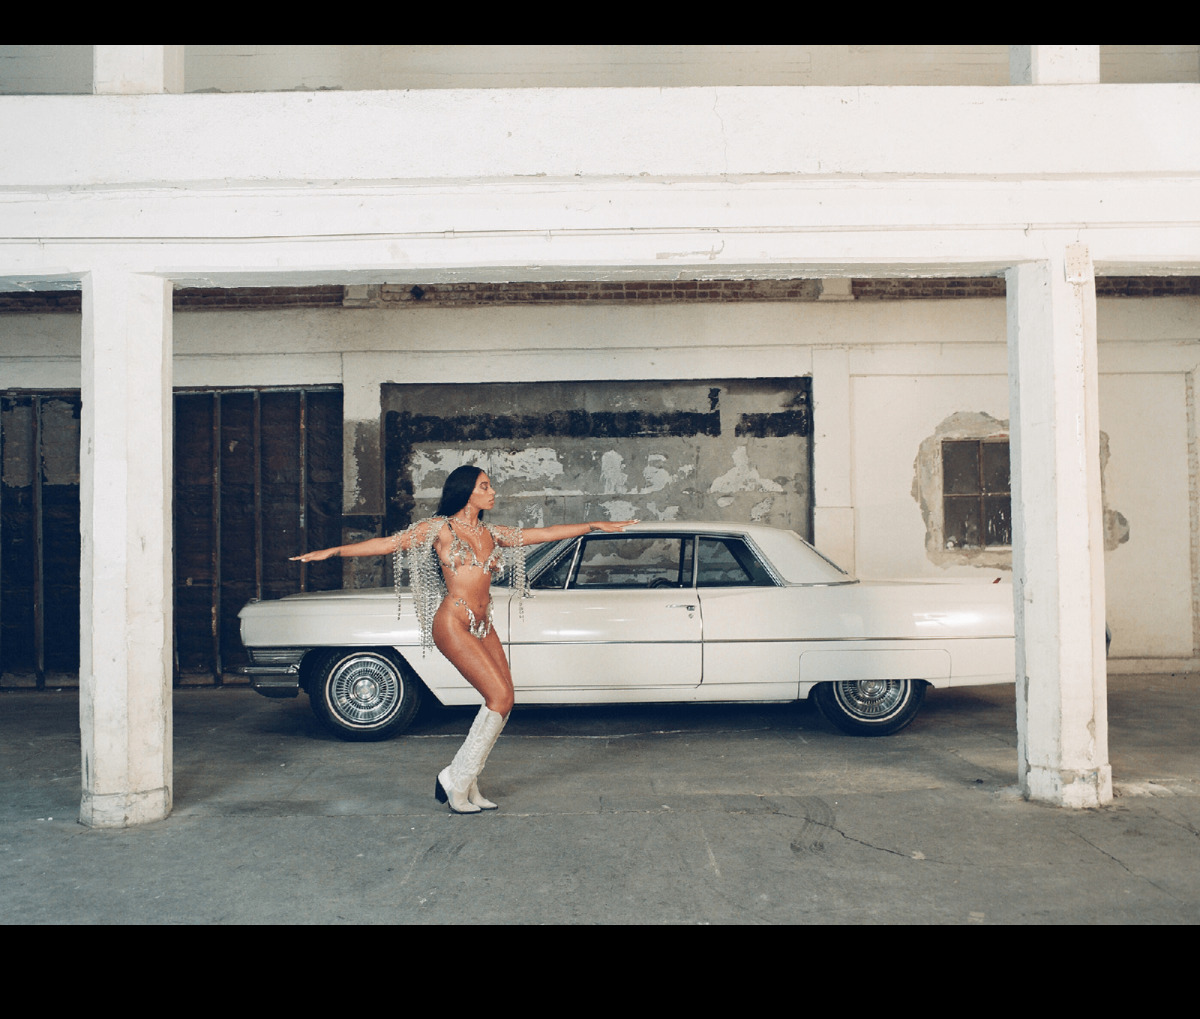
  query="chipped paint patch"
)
[
  {"x": 362, "y": 474},
  {"x": 656, "y": 479},
  {"x": 664, "y": 514},
  {"x": 743, "y": 477},
  {"x": 619, "y": 509},
  {"x": 612, "y": 475},
  {"x": 760, "y": 510},
  {"x": 430, "y": 468},
  {"x": 1116, "y": 527}
]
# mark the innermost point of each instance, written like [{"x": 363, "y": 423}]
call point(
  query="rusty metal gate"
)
[
  {"x": 258, "y": 476},
  {"x": 39, "y": 536}
]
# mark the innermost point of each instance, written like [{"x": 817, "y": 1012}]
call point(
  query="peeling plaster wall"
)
[
  {"x": 927, "y": 489},
  {"x": 562, "y": 452},
  {"x": 893, "y": 416}
]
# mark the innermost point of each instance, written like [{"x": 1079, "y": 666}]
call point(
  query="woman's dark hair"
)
[{"x": 456, "y": 492}]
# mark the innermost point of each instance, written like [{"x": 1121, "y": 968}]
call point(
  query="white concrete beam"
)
[
  {"x": 137, "y": 70},
  {"x": 1054, "y": 65},
  {"x": 1058, "y": 548},
  {"x": 598, "y": 230},
  {"x": 535, "y": 136},
  {"x": 125, "y": 577}
]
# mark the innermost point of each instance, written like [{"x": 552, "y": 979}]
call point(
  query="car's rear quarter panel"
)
[{"x": 948, "y": 634}]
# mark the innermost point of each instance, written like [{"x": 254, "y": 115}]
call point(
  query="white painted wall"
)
[{"x": 1149, "y": 578}]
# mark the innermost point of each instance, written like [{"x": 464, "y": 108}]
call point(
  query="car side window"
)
[
  {"x": 642, "y": 561},
  {"x": 728, "y": 562},
  {"x": 554, "y": 577}
]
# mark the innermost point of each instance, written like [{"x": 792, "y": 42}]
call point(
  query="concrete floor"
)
[{"x": 669, "y": 814}]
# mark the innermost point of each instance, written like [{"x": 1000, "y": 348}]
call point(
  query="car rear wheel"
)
[
  {"x": 870, "y": 707},
  {"x": 363, "y": 693}
]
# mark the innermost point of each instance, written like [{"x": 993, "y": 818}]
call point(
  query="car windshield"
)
[{"x": 536, "y": 557}]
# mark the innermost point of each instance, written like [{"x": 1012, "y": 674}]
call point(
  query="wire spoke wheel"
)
[
  {"x": 365, "y": 690},
  {"x": 870, "y": 707},
  {"x": 364, "y": 694}
]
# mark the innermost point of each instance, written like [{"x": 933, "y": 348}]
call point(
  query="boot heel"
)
[{"x": 439, "y": 793}]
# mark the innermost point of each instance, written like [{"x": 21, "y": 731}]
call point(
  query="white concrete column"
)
[
  {"x": 125, "y": 654},
  {"x": 1054, "y": 65},
  {"x": 1058, "y": 547},
  {"x": 137, "y": 70},
  {"x": 833, "y": 498}
]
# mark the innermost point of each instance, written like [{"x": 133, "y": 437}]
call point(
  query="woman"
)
[{"x": 453, "y": 556}]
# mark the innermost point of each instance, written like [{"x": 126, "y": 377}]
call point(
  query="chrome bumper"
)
[{"x": 274, "y": 671}]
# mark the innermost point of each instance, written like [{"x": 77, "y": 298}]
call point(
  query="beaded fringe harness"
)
[{"x": 426, "y": 582}]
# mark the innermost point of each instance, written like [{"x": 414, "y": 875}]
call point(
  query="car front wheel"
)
[
  {"x": 870, "y": 707},
  {"x": 363, "y": 693}
]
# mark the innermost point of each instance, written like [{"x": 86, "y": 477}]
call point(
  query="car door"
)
[
  {"x": 748, "y": 620},
  {"x": 614, "y": 612}
]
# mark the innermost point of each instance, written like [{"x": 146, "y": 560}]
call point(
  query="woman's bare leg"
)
[
  {"x": 483, "y": 665},
  {"x": 481, "y": 662}
]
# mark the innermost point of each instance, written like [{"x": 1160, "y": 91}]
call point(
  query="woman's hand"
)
[
  {"x": 315, "y": 557},
  {"x": 611, "y": 526}
]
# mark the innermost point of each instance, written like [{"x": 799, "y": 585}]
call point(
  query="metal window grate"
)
[{"x": 976, "y": 494}]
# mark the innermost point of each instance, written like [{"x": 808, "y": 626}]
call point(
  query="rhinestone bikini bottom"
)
[{"x": 478, "y": 628}]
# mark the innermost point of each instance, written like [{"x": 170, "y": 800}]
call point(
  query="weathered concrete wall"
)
[
  {"x": 903, "y": 368},
  {"x": 559, "y": 452}
]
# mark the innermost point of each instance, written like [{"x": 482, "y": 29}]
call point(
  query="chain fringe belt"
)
[{"x": 479, "y": 628}]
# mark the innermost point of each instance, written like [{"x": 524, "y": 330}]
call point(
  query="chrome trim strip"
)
[
  {"x": 857, "y": 640},
  {"x": 761, "y": 640},
  {"x": 595, "y": 643}
]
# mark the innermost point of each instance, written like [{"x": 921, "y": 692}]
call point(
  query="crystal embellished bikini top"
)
[
  {"x": 426, "y": 580},
  {"x": 462, "y": 553}
]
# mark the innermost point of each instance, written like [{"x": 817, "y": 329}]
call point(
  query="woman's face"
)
[{"x": 484, "y": 496}]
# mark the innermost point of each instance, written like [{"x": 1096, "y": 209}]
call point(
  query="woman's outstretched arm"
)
[
  {"x": 405, "y": 540},
  {"x": 372, "y": 546},
  {"x": 537, "y": 535}
]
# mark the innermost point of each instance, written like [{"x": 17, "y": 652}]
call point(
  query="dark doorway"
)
[
  {"x": 258, "y": 478},
  {"x": 39, "y": 537}
]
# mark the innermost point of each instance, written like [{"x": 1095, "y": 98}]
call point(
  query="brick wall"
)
[{"x": 412, "y": 295}]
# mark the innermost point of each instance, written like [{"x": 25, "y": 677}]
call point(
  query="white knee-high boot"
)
[
  {"x": 473, "y": 794},
  {"x": 454, "y": 784}
]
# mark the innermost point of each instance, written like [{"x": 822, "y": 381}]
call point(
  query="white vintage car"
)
[{"x": 661, "y": 612}]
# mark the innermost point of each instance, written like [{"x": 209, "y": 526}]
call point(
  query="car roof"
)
[{"x": 793, "y": 558}]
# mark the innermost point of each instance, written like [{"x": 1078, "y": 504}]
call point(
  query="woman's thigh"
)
[{"x": 481, "y": 662}]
